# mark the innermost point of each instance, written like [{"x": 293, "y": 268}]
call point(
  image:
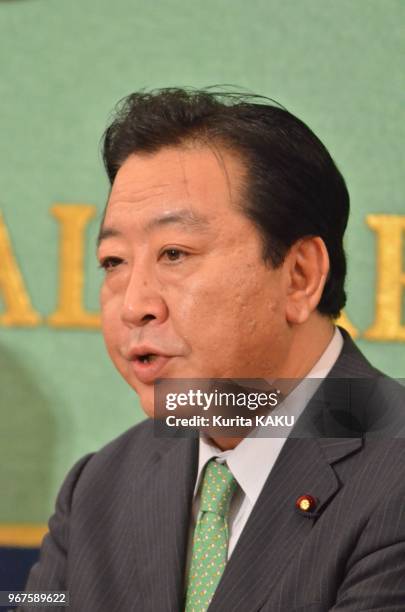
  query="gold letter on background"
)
[
  {"x": 19, "y": 311},
  {"x": 390, "y": 278},
  {"x": 70, "y": 312}
]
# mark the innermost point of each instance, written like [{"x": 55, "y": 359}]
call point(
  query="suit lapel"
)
[
  {"x": 276, "y": 530},
  {"x": 161, "y": 522}
]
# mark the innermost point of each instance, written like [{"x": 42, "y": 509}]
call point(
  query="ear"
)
[{"x": 307, "y": 265}]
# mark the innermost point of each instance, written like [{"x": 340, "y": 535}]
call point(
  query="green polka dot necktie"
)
[{"x": 210, "y": 543}]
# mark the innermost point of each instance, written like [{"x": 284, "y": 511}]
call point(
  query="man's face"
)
[{"x": 185, "y": 280}]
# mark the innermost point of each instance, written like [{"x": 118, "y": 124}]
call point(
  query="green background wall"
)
[{"x": 63, "y": 65}]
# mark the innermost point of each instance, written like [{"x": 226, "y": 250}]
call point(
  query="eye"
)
[
  {"x": 173, "y": 254},
  {"x": 108, "y": 263}
]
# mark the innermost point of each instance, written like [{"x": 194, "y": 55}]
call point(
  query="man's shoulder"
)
[
  {"x": 352, "y": 363},
  {"x": 116, "y": 464},
  {"x": 138, "y": 437},
  {"x": 136, "y": 442}
]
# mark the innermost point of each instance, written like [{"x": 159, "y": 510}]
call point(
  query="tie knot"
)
[{"x": 218, "y": 486}]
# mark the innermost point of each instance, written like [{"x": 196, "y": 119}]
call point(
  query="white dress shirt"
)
[{"x": 252, "y": 460}]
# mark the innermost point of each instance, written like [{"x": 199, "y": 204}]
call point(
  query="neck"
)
[{"x": 309, "y": 342}]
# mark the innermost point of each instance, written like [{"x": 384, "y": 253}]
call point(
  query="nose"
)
[{"x": 143, "y": 302}]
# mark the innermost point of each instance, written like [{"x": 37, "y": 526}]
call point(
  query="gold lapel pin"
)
[{"x": 306, "y": 503}]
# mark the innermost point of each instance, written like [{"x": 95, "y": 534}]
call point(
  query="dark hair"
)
[{"x": 294, "y": 188}]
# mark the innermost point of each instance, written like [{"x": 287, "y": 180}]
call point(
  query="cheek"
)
[
  {"x": 219, "y": 312},
  {"x": 110, "y": 320}
]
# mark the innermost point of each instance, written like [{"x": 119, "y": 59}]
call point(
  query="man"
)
[{"x": 223, "y": 258}]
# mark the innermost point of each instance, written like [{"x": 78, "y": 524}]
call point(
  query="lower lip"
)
[{"x": 149, "y": 372}]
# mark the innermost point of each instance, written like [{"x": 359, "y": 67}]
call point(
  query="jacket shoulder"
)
[{"x": 128, "y": 453}]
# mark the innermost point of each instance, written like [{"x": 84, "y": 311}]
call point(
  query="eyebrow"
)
[
  {"x": 186, "y": 218},
  {"x": 106, "y": 232}
]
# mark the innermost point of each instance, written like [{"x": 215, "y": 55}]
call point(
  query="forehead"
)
[{"x": 202, "y": 180}]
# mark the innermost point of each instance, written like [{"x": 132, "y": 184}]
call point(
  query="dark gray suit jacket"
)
[{"x": 118, "y": 537}]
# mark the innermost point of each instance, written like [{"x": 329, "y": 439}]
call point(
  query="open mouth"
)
[
  {"x": 148, "y": 366},
  {"x": 147, "y": 358}
]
